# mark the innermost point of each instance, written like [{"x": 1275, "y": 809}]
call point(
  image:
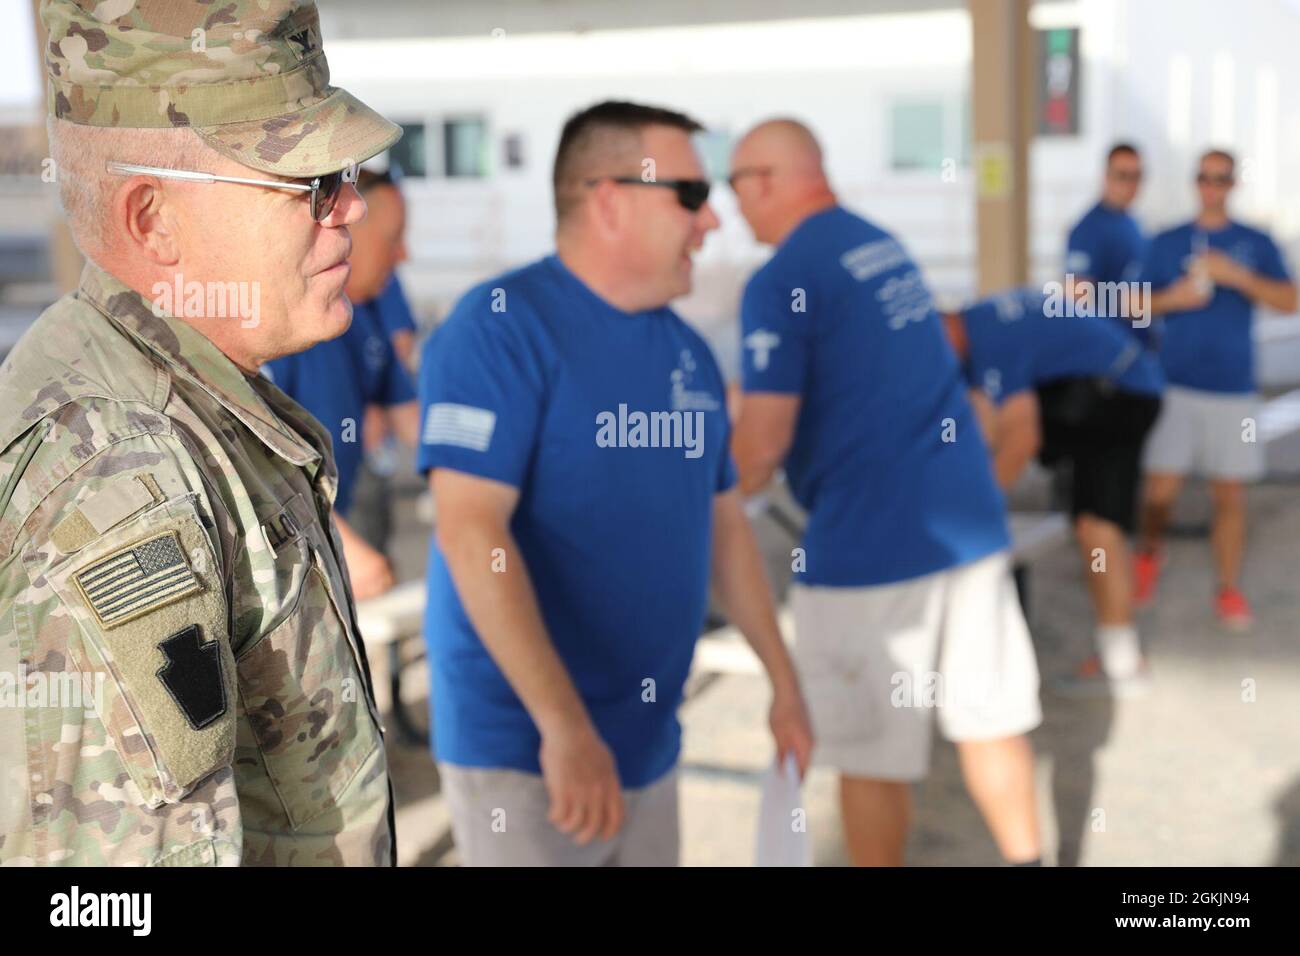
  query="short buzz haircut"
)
[
  {"x": 1122, "y": 149},
  {"x": 605, "y": 140},
  {"x": 1222, "y": 154}
]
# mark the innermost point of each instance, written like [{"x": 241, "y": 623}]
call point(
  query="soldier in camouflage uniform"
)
[{"x": 166, "y": 542}]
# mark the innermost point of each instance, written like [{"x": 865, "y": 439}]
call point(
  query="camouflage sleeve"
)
[{"x": 117, "y": 680}]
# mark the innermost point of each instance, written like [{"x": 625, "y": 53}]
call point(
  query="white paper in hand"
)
[{"x": 782, "y": 821}]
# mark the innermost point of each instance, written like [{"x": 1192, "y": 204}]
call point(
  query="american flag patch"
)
[
  {"x": 137, "y": 580},
  {"x": 450, "y": 424}
]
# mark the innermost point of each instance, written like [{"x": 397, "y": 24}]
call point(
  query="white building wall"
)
[{"x": 1166, "y": 74}]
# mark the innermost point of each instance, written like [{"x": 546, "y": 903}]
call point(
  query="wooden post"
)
[{"x": 1002, "y": 103}]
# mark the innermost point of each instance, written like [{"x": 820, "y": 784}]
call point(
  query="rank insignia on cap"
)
[
  {"x": 302, "y": 43},
  {"x": 136, "y": 580}
]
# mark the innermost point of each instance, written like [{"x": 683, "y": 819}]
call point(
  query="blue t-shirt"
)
[
  {"x": 1015, "y": 344},
  {"x": 887, "y": 457},
  {"x": 613, "y": 427},
  {"x": 1210, "y": 348},
  {"x": 336, "y": 380},
  {"x": 1107, "y": 245},
  {"x": 393, "y": 308}
]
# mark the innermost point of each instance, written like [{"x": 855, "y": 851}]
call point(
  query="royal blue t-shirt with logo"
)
[
  {"x": 336, "y": 380},
  {"x": 1017, "y": 342},
  {"x": 613, "y": 427},
  {"x": 887, "y": 457},
  {"x": 1107, "y": 245},
  {"x": 1210, "y": 348}
]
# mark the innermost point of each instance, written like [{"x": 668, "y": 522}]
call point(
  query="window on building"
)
[
  {"x": 465, "y": 147},
  {"x": 917, "y": 135},
  {"x": 409, "y": 153},
  {"x": 925, "y": 132}
]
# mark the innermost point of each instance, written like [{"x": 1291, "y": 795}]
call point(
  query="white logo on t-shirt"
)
[
  {"x": 762, "y": 342},
  {"x": 904, "y": 299},
  {"x": 682, "y": 396}
]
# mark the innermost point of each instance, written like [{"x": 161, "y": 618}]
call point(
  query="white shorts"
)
[
  {"x": 499, "y": 818},
  {"x": 1203, "y": 433},
  {"x": 877, "y": 662}
]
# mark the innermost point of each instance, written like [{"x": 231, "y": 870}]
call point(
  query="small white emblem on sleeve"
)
[{"x": 762, "y": 342}]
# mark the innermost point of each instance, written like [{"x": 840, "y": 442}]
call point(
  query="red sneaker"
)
[
  {"x": 1233, "y": 609},
  {"x": 1146, "y": 567}
]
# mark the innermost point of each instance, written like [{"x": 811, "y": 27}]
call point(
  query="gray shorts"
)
[
  {"x": 498, "y": 818},
  {"x": 880, "y": 663},
  {"x": 1205, "y": 434}
]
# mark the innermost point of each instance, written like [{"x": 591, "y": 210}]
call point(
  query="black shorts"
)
[{"x": 1098, "y": 430}]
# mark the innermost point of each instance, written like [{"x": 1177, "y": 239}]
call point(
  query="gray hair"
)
[{"x": 86, "y": 188}]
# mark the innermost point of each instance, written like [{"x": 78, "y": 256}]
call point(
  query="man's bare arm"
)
[
  {"x": 1019, "y": 436},
  {"x": 404, "y": 345},
  {"x": 1279, "y": 294},
  {"x": 368, "y": 568},
  {"x": 1182, "y": 295},
  {"x": 404, "y": 419},
  {"x": 985, "y": 415},
  {"x": 741, "y": 585},
  {"x": 762, "y": 437},
  {"x": 496, "y": 591}
]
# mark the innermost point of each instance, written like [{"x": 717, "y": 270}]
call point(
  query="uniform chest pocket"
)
[{"x": 304, "y": 699}]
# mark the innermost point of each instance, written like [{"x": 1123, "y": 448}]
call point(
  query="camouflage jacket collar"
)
[{"x": 194, "y": 356}]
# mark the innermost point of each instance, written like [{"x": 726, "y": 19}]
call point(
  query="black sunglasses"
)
[
  {"x": 325, "y": 194},
  {"x": 692, "y": 194},
  {"x": 1205, "y": 179}
]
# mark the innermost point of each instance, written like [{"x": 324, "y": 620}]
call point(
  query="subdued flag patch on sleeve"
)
[
  {"x": 137, "y": 579},
  {"x": 447, "y": 423}
]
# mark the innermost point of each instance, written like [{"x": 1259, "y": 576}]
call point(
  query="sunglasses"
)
[
  {"x": 324, "y": 189},
  {"x": 1205, "y": 179},
  {"x": 692, "y": 194},
  {"x": 1127, "y": 176}
]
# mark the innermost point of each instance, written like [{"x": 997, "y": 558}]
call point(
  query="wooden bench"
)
[{"x": 386, "y": 622}]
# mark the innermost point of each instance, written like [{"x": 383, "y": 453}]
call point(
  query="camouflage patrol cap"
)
[{"x": 249, "y": 76}]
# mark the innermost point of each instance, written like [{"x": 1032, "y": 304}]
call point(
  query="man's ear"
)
[
  {"x": 606, "y": 208},
  {"x": 140, "y": 209}
]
